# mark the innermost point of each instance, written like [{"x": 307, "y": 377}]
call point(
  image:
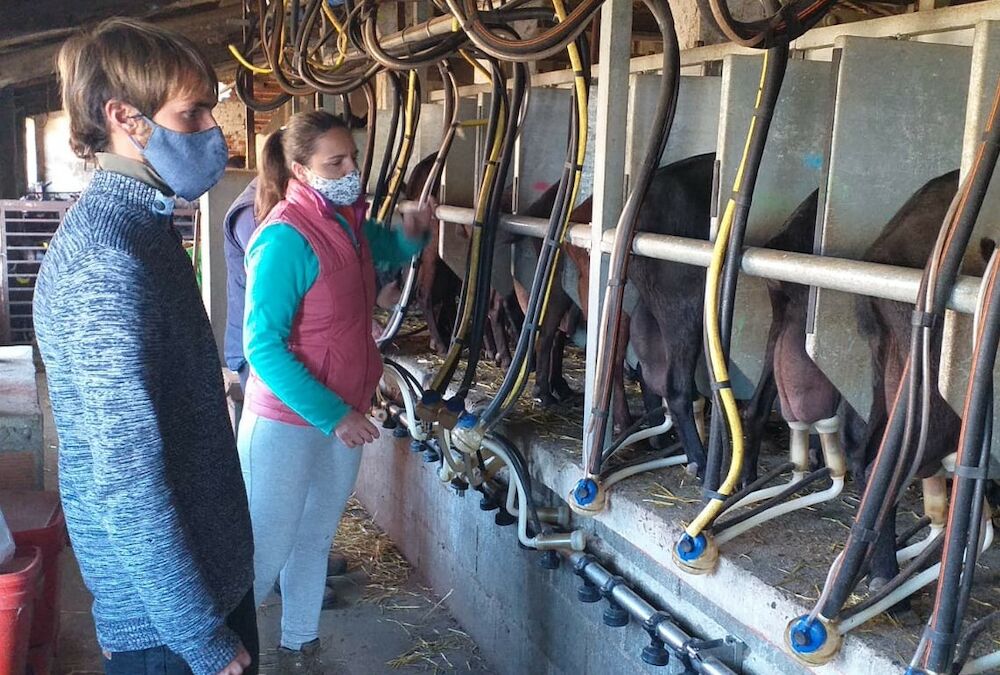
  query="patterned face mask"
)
[{"x": 338, "y": 191}]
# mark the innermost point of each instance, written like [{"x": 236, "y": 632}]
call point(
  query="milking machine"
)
[{"x": 816, "y": 637}]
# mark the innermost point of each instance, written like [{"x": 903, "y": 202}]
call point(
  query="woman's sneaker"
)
[{"x": 303, "y": 661}]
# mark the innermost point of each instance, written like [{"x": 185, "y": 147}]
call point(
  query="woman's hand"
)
[
  {"x": 355, "y": 430},
  {"x": 417, "y": 222}
]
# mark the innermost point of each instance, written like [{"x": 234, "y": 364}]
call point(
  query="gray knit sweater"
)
[{"x": 148, "y": 469}]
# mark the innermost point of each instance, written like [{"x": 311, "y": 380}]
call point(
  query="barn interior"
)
[{"x": 695, "y": 373}]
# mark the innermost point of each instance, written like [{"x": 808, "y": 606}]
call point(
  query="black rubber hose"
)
[
  {"x": 390, "y": 143},
  {"x": 663, "y": 119},
  {"x": 789, "y": 490},
  {"x": 785, "y": 23},
  {"x": 865, "y": 529},
  {"x": 636, "y": 426},
  {"x": 370, "y": 126},
  {"x": 764, "y": 113},
  {"x": 928, "y": 556},
  {"x": 497, "y": 100},
  {"x": 492, "y": 226},
  {"x": 756, "y": 485},
  {"x": 960, "y": 553},
  {"x": 909, "y": 532},
  {"x": 520, "y": 465},
  {"x": 402, "y": 156},
  {"x": 975, "y": 520},
  {"x": 969, "y": 637}
]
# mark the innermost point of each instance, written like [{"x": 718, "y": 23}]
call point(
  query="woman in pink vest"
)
[{"x": 314, "y": 366}]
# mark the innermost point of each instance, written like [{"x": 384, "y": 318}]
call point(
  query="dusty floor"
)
[{"x": 385, "y": 621}]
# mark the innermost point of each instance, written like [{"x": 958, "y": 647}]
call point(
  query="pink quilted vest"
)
[{"x": 331, "y": 333}]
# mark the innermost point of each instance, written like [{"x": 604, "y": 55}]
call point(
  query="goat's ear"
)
[{"x": 986, "y": 248}]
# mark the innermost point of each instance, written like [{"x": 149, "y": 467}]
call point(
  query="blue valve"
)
[
  {"x": 807, "y": 637},
  {"x": 430, "y": 398},
  {"x": 585, "y": 491},
  {"x": 467, "y": 421},
  {"x": 690, "y": 548}
]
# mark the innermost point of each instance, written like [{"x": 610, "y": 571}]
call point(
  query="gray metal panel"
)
[
  {"x": 696, "y": 124},
  {"x": 458, "y": 187},
  {"x": 957, "y": 348},
  {"x": 587, "y": 175},
  {"x": 898, "y": 122},
  {"x": 429, "y": 131},
  {"x": 540, "y": 152},
  {"x": 791, "y": 170}
]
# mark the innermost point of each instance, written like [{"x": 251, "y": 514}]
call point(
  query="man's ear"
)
[{"x": 123, "y": 116}]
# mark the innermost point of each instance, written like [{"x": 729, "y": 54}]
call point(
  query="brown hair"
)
[
  {"x": 130, "y": 61},
  {"x": 295, "y": 142}
]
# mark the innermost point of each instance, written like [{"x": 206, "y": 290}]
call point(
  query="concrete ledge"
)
[
  {"x": 527, "y": 620},
  {"x": 21, "y": 442}
]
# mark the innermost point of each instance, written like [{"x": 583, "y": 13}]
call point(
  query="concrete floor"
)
[{"x": 403, "y": 628}]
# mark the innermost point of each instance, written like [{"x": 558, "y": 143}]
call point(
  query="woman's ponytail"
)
[{"x": 272, "y": 175}]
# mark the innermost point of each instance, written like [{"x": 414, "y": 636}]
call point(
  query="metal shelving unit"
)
[{"x": 26, "y": 227}]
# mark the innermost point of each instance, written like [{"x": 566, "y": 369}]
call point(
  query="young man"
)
[{"x": 148, "y": 470}]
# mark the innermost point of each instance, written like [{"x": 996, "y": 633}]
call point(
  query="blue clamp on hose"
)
[
  {"x": 690, "y": 548},
  {"x": 807, "y": 637},
  {"x": 430, "y": 398},
  {"x": 585, "y": 491},
  {"x": 467, "y": 420}
]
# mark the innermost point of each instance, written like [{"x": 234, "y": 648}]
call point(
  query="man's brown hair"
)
[{"x": 130, "y": 61}]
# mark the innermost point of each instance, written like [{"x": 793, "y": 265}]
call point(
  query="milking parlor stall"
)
[{"x": 696, "y": 372}]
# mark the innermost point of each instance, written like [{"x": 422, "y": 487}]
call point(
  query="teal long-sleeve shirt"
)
[{"x": 281, "y": 268}]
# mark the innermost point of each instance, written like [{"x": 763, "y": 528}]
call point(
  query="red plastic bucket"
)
[
  {"x": 36, "y": 519},
  {"x": 19, "y": 580}
]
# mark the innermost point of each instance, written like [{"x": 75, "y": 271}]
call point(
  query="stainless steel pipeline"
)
[
  {"x": 672, "y": 635},
  {"x": 838, "y": 274}
]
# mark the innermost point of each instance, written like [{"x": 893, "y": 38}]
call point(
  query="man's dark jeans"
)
[{"x": 162, "y": 661}]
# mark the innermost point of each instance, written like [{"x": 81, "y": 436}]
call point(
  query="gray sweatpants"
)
[{"x": 298, "y": 481}]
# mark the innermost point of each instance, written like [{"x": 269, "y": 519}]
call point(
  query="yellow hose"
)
[
  {"x": 717, "y": 357},
  {"x": 408, "y": 134},
  {"x": 580, "y": 82},
  {"x": 455, "y": 351},
  {"x": 243, "y": 61}
]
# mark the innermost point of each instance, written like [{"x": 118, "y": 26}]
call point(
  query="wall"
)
[{"x": 57, "y": 164}]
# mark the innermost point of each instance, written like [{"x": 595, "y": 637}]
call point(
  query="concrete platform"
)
[
  {"x": 21, "y": 441},
  {"x": 765, "y": 578}
]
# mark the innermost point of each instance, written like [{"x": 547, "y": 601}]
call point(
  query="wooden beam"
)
[
  {"x": 49, "y": 20},
  {"x": 210, "y": 30}
]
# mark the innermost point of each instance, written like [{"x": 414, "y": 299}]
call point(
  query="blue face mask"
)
[{"x": 189, "y": 163}]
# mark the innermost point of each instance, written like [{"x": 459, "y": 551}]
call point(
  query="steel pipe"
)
[
  {"x": 836, "y": 274},
  {"x": 672, "y": 635}
]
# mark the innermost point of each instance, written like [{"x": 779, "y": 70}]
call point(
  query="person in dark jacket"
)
[{"x": 238, "y": 226}]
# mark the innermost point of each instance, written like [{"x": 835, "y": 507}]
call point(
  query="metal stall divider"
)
[
  {"x": 695, "y": 132},
  {"x": 956, "y": 346},
  {"x": 539, "y": 155},
  {"x": 458, "y": 186},
  {"x": 899, "y": 114},
  {"x": 791, "y": 170}
]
